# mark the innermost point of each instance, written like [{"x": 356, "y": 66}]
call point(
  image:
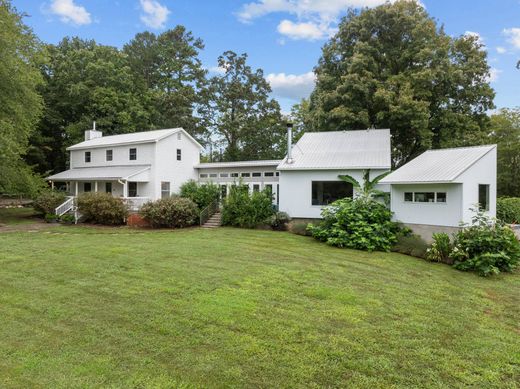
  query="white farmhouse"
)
[{"x": 440, "y": 187}]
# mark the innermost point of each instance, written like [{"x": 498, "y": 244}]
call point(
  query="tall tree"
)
[
  {"x": 20, "y": 103},
  {"x": 170, "y": 67},
  {"x": 392, "y": 67},
  {"x": 505, "y": 132},
  {"x": 85, "y": 82},
  {"x": 244, "y": 118}
]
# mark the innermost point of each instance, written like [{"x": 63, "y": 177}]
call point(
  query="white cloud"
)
[
  {"x": 292, "y": 86},
  {"x": 155, "y": 14},
  {"x": 501, "y": 50},
  {"x": 494, "y": 74},
  {"x": 217, "y": 70},
  {"x": 514, "y": 36},
  {"x": 70, "y": 13},
  {"x": 309, "y": 31}
]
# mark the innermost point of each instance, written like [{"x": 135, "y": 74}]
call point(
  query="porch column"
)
[
  {"x": 95, "y": 186},
  {"x": 125, "y": 189},
  {"x": 77, "y": 189}
]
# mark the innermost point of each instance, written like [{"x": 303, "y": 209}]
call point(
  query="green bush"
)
[
  {"x": 485, "y": 247},
  {"x": 440, "y": 249},
  {"x": 202, "y": 195},
  {"x": 360, "y": 223},
  {"x": 242, "y": 209},
  {"x": 412, "y": 245},
  {"x": 508, "y": 210},
  {"x": 47, "y": 201},
  {"x": 102, "y": 208},
  {"x": 172, "y": 212},
  {"x": 299, "y": 228},
  {"x": 279, "y": 221}
]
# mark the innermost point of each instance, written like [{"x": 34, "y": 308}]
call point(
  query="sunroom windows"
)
[{"x": 425, "y": 197}]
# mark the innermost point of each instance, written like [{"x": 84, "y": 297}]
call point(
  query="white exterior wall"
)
[
  {"x": 484, "y": 171},
  {"x": 120, "y": 156},
  {"x": 296, "y": 189},
  {"x": 167, "y": 168},
  {"x": 434, "y": 214}
]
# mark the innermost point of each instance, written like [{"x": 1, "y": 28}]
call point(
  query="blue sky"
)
[{"x": 283, "y": 37}]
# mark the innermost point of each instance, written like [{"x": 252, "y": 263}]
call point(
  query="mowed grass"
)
[
  {"x": 119, "y": 308},
  {"x": 16, "y": 216}
]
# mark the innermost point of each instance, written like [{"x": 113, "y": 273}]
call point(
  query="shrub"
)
[
  {"x": 102, "y": 208},
  {"x": 299, "y": 228},
  {"x": 279, "y": 221},
  {"x": 412, "y": 245},
  {"x": 67, "y": 219},
  {"x": 485, "y": 247},
  {"x": 51, "y": 218},
  {"x": 242, "y": 209},
  {"x": 360, "y": 223},
  {"x": 440, "y": 249},
  {"x": 202, "y": 195},
  {"x": 48, "y": 200},
  {"x": 508, "y": 210},
  {"x": 172, "y": 212}
]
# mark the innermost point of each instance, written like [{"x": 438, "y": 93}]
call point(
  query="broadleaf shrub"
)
[
  {"x": 48, "y": 200},
  {"x": 279, "y": 221},
  {"x": 360, "y": 223},
  {"x": 440, "y": 249},
  {"x": 172, "y": 212},
  {"x": 299, "y": 228},
  {"x": 508, "y": 210},
  {"x": 201, "y": 194},
  {"x": 102, "y": 208},
  {"x": 248, "y": 210}
]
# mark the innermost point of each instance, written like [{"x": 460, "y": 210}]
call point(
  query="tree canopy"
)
[{"x": 392, "y": 67}]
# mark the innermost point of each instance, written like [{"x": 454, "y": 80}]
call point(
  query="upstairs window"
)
[
  {"x": 179, "y": 154},
  {"x": 133, "y": 154},
  {"x": 483, "y": 197},
  {"x": 87, "y": 156},
  {"x": 245, "y": 175},
  {"x": 213, "y": 175},
  {"x": 257, "y": 174},
  {"x": 109, "y": 155},
  {"x": 268, "y": 174},
  {"x": 224, "y": 175},
  {"x": 234, "y": 174},
  {"x": 165, "y": 189},
  {"x": 203, "y": 175}
]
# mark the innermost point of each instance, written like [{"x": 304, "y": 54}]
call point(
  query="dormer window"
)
[
  {"x": 109, "y": 155},
  {"x": 87, "y": 156},
  {"x": 133, "y": 154}
]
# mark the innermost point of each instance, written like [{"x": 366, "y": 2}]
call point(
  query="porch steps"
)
[{"x": 214, "y": 221}]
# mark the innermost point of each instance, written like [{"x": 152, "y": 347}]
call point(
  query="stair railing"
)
[
  {"x": 207, "y": 212},
  {"x": 65, "y": 207}
]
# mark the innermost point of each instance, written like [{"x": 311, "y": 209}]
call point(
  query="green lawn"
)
[
  {"x": 86, "y": 307},
  {"x": 15, "y": 216}
]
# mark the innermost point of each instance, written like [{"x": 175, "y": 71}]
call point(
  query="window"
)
[
  {"x": 234, "y": 174},
  {"x": 109, "y": 155},
  {"x": 408, "y": 196},
  {"x": 133, "y": 154},
  {"x": 277, "y": 174},
  {"x": 256, "y": 187},
  {"x": 326, "y": 192},
  {"x": 179, "y": 154},
  {"x": 269, "y": 189},
  {"x": 269, "y": 174},
  {"x": 245, "y": 175},
  {"x": 224, "y": 175},
  {"x": 424, "y": 197},
  {"x": 87, "y": 187},
  {"x": 165, "y": 189},
  {"x": 440, "y": 197},
  {"x": 257, "y": 174},
  {"x": 483, "y": 197},
  {"x": 179, "y": 136},
  {"x": 87, "y": 156},
  {"x": 203, "y": 175},
  {"x": 223, "y": 191},
  {"x": 213, "y": 175},
  {"x": 132, "y": 189},
  {"x": 108, "y": 187}
]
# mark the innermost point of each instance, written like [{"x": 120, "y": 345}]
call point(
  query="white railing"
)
[
  {"x": 65, "y": 207},
  {"x": 135, "y": 203}
]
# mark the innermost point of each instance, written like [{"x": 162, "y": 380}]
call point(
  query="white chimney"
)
[
  {"x": 289, "y": 143},
  {"x": 93, "y": 134}
]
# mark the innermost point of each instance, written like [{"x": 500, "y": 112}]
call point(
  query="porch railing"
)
[
  {"x": 65, "y": 207},
  {"x": 207, "y": 212},
  {"x": 135, "y": 203}
]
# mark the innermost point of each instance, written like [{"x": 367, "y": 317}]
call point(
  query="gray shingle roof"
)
[
  {"x": 438, "y": 166},
  {"x": 361, "y": 149},
  {"x": 99, "y": 173}
]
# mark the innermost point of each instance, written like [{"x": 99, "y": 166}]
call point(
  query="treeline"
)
[{"x": 391, "y": 66}]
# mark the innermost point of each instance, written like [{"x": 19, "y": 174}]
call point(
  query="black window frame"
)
[
  {"x": 132, "y": 189},
  {"x": 268, "y": 174},
  {"x": 245, "y": 174},
  {"x": 179, "y": 154},
  {"x": 109, "y": 155},
  {"x": 132, "y": 152},
  {"x": 486, "y": 188},
  {"x": 327, "y": 190},
  {"x": 256, "y": 174},
  {"x": 88, "y": 157}
]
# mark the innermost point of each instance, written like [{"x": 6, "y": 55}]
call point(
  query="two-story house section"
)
[{"x": 141, "y": 166}]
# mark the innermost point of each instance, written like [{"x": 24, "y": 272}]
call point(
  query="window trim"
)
[
  {"x": 136, "y": 190},
  {"x": 488, "y": 192},
  {"x": 163, "y": 191},
  {"x": 89, "y": 158},
  {"x": 435, "y": 194},
  {"x": 245, "y": 175},
  {"x": 224, "y": 175},
  {"x": 179, "y": 154},
  {"x": 256, "y": 174},
  {"x": 130, "y": 154},
  {"x": 327, "y": 181},
  {"x": 111, "y": 151},
  {"x": 269, "y": 174},
  {"x": 203, "y": 175}
]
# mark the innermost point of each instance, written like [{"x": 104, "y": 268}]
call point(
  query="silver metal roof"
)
[
  {"x": 361, "y": 149},
  {"x": 216, "y": 165},
  {"x": 438, "y": 166},
  {"x": 100, "y": 173},
  {"x": 135, "y": 137}
]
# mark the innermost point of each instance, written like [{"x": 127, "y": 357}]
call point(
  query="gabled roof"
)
[
  {"x": 131, "y": 138},
  {"x": 438, "y": 166},
  {"x": 213, "y": 165},
  {"x": 100, "y": 173},
  {"x": 361, "y": 149}
]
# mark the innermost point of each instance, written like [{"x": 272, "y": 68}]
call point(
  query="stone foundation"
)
[{"x": 426, "y": 231}]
